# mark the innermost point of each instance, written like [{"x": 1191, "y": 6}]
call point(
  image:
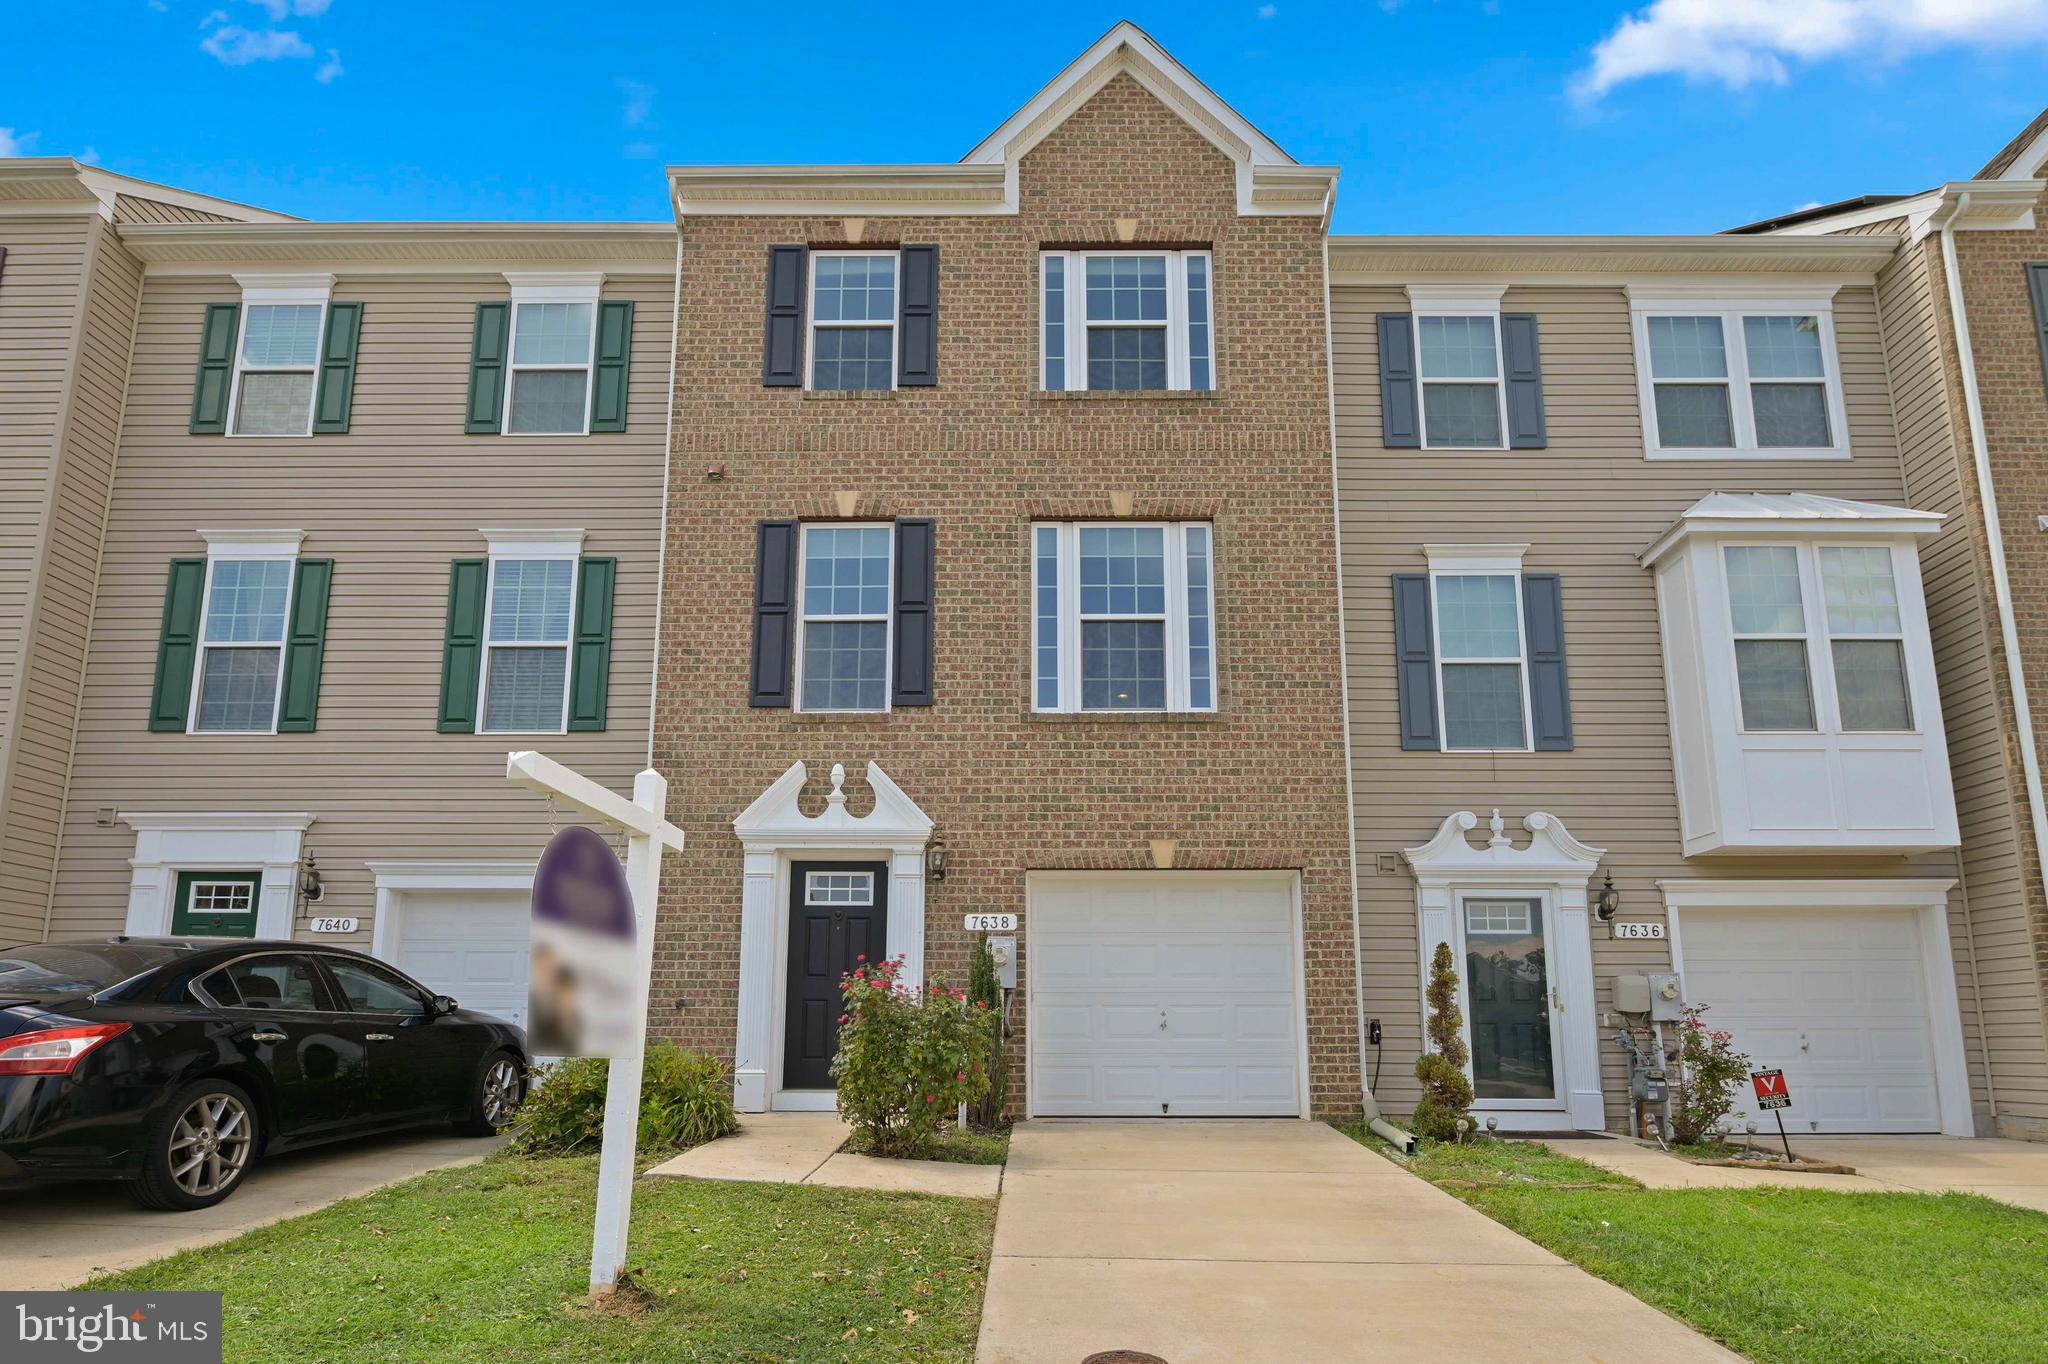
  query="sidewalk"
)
[{"x": 803, "y": 1148}]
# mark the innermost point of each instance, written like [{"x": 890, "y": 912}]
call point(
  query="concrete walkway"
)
[
  {"x": 803, "y": 1148},
  {"x": 61, "y": 1234},
  {"x": 1243, "y": 1242},
  {"x": 2010, "y": 1171}
]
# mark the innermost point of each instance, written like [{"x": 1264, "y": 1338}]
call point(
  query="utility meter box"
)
[
  {"x": 1632, "y": 994},
  {"x": 1004, "y": 951},
  {"x": 1649, "y": 1084},
  {"x": 1667, "y": 998}
]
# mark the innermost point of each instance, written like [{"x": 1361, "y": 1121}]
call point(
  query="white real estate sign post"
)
[{"x": 647, "y": 833}]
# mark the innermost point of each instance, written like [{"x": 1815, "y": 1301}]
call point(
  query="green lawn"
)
[
  {"x": 1786, "y": 1276},
  {"x": 490, "y": 1264}
]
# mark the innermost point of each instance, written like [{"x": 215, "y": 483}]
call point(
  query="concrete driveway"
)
[
  {"x": 1250, "y": 1241},
  {"x": 59, "y": 1235},
  {"x": 2011, "y": 1171}
]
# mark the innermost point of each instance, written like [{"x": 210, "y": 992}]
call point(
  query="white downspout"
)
[{"x": 2001, "y": 583}]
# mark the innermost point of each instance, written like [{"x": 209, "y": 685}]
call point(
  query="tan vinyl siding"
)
[
  {"x": 1586, "y": 505},
  {"x": 392, "y": 502},
  {"x": 132, "y": 208}
]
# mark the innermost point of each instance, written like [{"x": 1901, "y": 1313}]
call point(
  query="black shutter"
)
[
  {"x": 1524, "y": 369},
  {"x": 918, "y": 328},
  {"x": 1400, "y": 425},
  {"x": 1415, "y": 657},
  {"x": 913, "y": 615},
  {"x": 2037, "y": 285},
  {"x": 782, "y": 361},
  {"x": 774, "y": 613},
  {"x": 1550, "y": 693}
]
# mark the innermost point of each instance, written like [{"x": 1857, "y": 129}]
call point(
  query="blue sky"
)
[{"x": 1445, "y": 115}]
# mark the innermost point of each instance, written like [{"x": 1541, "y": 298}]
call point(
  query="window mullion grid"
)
[
  {"x": 1519, "y": 661},
  {"x": 199, "y": 672},
  {"x": 492, "y": 642},
  {"x": 243, "y": 368},
  {"x": 514, "y": 368},
  {"x": 806, "y": 617}
]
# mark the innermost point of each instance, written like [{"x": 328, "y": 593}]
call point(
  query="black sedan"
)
[{"x": 176, "y": 1063}]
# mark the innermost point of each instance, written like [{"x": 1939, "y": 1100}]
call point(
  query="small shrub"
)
[
  {"x": 907, "y": 1059},
  {"x": 1710, "y": 1073},
  {"x": 985, "y": 991},
  {"x": 1446, "y": 1093},
  {"x": 685, "y": 1101}
]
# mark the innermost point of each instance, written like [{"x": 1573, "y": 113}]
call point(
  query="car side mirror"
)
[{"x": 445, "y": 1004}]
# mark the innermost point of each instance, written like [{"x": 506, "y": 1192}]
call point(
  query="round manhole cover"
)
[{"x": 1123, "y": 1357}]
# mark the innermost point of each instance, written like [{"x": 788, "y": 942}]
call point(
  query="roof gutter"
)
[{"x": 2001, "y": 581}]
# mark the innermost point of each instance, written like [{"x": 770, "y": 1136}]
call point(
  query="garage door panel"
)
[{"x": 471, "y": 945}]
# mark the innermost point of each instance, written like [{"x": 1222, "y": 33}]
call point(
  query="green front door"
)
[{"x": 216, "y": 904}]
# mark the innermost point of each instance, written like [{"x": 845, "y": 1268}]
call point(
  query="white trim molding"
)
[
  {"x": 1555, "y": 868},
  {"x": 1926, "y": 898},
  {"x": 168, "y": 842},
  {"x": 395, "y": 879},
  {"x": 774, "y": 832}
]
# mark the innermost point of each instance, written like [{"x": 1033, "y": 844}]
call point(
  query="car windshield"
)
[{"x": 50, "y": 969}]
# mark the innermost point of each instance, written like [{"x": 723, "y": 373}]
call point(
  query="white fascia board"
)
[
  {"x": 2001, "y": 205},
  {"x": 241, "y": 543},
  {"x": 530, "y": 543}
]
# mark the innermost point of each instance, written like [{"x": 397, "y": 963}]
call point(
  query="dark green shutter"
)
[
  {"x": 590, "y": 669},
  {"x": 1400, "y": 424},
  {"x": 1550, "y": 693},
  {"x": 2037, "y": 285},
  {"x": 338, "y": 369},
  {"x": 487, "y": 354},
  {"x": 177, "y": 647},
  {"x": 608, "y": 376},
  {"x": 1415, "y": 658},
  {"x": 216, "y": 370},
  {"x": 462, "y": 651},
  {"x": 1523, "y": 367},
  {"x": 305, "y": 646}
]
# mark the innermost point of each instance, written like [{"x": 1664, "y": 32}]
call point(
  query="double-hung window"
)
[
  {"x": 526, "y": 640},
  {"x": 845, "y": 592},
  {"x": 1124, "y": 321},
  {"x": 853, "y": 319},
  {"x": 1761, "y": 381},
  {"x": 1123, "y": 617},
  {"x": 554, "y": 331},
  {"x": 277, "y": 359},
  {"x": 1458, "y": 357},
  {"x": 241, "y": 638},
  {"x": 1482, "y": 659},
  {"x": 1769, "y": 588}
]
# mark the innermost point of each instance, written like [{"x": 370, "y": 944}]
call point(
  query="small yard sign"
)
[
  {"x": 1770, "y": 1089},
  {"x": 991, "y": 923}
]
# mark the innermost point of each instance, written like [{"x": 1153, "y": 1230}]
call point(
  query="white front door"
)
[
  {"x": 471, "y": 944},
  {"x": 1837, "y": 999},
  {"x": 1163, "y": 994}
]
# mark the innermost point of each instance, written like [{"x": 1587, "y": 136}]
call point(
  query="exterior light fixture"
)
[
  {"x": 935, "y": 859},
  {"x": 310, "y": 885},
  {"x": 1606, "y": 900}
]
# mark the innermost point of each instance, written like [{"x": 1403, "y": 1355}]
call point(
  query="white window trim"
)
[
  {"x": 1077, "y": 325},
  {"x": 1467, "y": 561},
  {"x": 550, "y": 287},
  {"x": 566, "y": 544},
  {"x": 812, "y": 324},
  {"x": 803, "y": 622},
  {"x": 1818, "y": 639},
  {"x": 1178, "y": 681},
  {"x": 1731, "y": 304},
  {"x": 270, "y": 290},
  {"x": 242, "y": 546},
  {"x": 1461, "y": 300}
]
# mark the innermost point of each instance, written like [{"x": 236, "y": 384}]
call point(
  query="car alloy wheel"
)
[
  {"x": 501, "y": 1092},
  {"x": 210, "y": 1144}
]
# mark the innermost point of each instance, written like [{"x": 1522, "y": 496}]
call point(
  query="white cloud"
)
[
  {"x": 639, "y": 111},
  {"x": 1750, "y": 42},
  {"x": 234, "y": 45},
  {"x": 278, "y": 9},
  {"x": 330, "y": 70},
  {"x": 13, "y": 143},
  {"x": 1268, "y": 11}
]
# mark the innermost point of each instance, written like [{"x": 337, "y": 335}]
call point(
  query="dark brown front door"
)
[{"x": 838, "y": 914}]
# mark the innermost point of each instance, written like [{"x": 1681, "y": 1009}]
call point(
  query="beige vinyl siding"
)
[
  {"x": 132, "y": 208},
  {"x": 1586, "y": 505},
  {"x": 392, "y": 503},
  {"x": 1990, "y": 801}
]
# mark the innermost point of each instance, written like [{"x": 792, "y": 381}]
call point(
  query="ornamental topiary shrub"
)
[
  {"x": 685, "y": 1101},
  {"x": 1710, "y": 1072},
  {"x": 985, "y": 991},
  {"x": 907, "y": 1058},
  {"x": 1446, "y": 1093}
]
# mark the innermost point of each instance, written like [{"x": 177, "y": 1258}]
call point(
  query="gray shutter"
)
[
  {"x": 912, "y": 618},
  {"x": 1550, "y": 693},
  {"x": 1400, "y": 422},
  {"x": 1524, "y": 370},
  {"x": 2037, "y": 285},
  {"x": 774, "y": 613},
  {"x": 782, "y": 360},
  {"x": 918, "y": 326},
  {"x": 1415, "y": 656}
]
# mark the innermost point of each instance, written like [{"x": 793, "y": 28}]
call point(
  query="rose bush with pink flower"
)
[
  {"x": 907, "y": 1058},
  {"x": 1710, "y": 1072}
]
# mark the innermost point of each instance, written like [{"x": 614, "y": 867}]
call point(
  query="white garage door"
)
[
  {"x": 1163, "y": 994},
  {"x": 469, "y": 944},
  {"x": 1837, "y": 999}
]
